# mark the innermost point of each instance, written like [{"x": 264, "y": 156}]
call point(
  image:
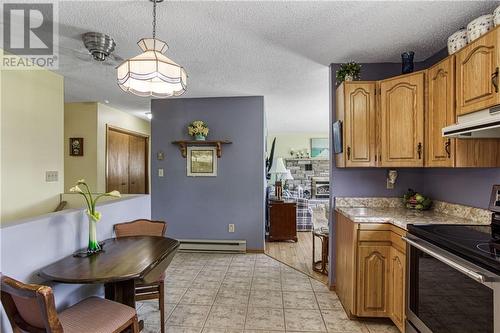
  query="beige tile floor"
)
[{"x": 248, "y": 293}]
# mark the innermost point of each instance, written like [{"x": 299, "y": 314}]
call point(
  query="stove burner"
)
[{"x": 492, "y": 248}]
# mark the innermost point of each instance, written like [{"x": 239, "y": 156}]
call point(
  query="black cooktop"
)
[{"x": 476, "y": 243}]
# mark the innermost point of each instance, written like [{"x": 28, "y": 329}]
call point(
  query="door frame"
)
[{"x": 133, "y": 133}]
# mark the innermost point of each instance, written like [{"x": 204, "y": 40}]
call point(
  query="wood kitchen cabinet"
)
[
  {"x": 402, "y": 121},
  {"x": 282, "y": 224},
  {"x": 356, "y": 103},
  {"x": 370, "y": 269},
  {"x": 477, "y": 74}
]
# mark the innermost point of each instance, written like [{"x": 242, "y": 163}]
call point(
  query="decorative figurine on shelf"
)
[
  {"x": 93, "y": 215},
  {"x": 348, "y": 72},
  {"x": 407, "y": 62},
  {"x": 198, "y": 129}
]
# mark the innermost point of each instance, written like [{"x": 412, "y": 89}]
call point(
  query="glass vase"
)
[
  {"x": 407, "y": 62},
  {"x": 199, "y": 137},
  {"x": 93, "y": 246}
]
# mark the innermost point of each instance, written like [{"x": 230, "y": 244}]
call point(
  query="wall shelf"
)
[{"x": 183, "y": 144}]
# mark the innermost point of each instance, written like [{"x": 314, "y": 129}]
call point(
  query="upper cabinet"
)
[
  {"x": 402, "y": 121},
  {"x": 440, "y": 113},
  {"x": 477, "y": 74},
  {"x": 356, "y": 100}
]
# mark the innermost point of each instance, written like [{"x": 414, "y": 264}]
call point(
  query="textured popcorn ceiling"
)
[{"x": 280, "y": 50}]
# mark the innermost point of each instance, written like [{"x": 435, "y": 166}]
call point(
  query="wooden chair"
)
[
  {"x": 31, "y": 308},
  {"x": 146, "y": 291}
]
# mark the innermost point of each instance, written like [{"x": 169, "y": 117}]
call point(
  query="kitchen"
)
[{"x": 435, "y": 130}]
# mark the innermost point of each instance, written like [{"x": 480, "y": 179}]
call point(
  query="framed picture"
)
[
  {"x": 75, "y": 146},
  {"x": 319, "y": 147},
  {"x": 201, "y": 161}
]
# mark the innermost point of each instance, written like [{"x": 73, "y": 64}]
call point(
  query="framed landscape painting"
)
[
  {"x": 201, "y": 161},
  {"x": 319, "y": 147}
]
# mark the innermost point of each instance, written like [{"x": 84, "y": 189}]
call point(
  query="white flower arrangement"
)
[
  {"x": 198, "y": 127},
  {"x": 91, "y": 200}
]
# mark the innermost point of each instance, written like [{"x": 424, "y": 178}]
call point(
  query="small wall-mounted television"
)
[{"x": 337, "y": 137}]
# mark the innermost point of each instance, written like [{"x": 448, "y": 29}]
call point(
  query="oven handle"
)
[{"x": 450, "y": 262}]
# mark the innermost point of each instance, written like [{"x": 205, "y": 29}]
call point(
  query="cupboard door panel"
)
[
  {"x": 397, "y": 285},
  {"x": 360, "y": 124},
  {"x": 118, "y": 162},
  {"x": 440, "y": 113},
  {"x": 476, "y": 63},
  {"x": 373, "y": 268},
  {"x": 402, "y": 120},
  {"x": 137, "y": 164}
]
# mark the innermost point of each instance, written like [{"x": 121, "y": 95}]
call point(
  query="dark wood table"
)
[{"x": 123, "y": 262}]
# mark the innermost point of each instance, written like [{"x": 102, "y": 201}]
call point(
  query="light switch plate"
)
[
  {"x": 230, "y": 228},
  {"x": 51, "y": 176},
  {"x": 160, "y": 172},
  {"x": 390, "y": 186}
]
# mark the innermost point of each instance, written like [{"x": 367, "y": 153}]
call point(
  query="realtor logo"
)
[{"x": 29, "y": 33}]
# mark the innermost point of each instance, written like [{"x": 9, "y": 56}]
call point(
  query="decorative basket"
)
[
  {"x": 479, "y": 27},
  {"x": 457, "y": 41},
  {"x": 496, "y": 16}
]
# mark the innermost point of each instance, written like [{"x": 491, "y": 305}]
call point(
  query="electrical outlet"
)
[
  {"x": 231, "y": 227},
  {"x": 51, "y": 176},
  {"x": 160, "y": 172},
  {"x": 390, "y": 185}
]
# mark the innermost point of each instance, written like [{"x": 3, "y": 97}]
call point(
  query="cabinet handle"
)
[
  {"x": 419, "y": 150},
  {"x": 494, "y": 79},
  {"x": 447, "y": 147},
  {"x": 348, "y": 153},
  {"x": 123, "y": 184}
]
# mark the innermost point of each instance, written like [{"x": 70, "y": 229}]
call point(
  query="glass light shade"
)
[
  {"x": 288, "y": 175},
  {"x": 151, "y": 73},
  {"x": 278, "y": 166}
]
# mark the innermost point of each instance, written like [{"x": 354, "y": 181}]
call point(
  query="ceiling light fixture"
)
[{"x": 152, "y": 73}]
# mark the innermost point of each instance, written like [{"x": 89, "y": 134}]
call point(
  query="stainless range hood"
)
[{"x": 480, "y": 124}]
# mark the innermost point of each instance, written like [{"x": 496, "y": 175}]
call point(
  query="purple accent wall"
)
[{"x": 202, "y": 207}]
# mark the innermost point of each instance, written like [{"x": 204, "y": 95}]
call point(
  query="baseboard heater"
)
[{"x": 214, "y": 246}]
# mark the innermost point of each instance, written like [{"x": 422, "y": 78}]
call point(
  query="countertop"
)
[{"x": 401, "y": 217}]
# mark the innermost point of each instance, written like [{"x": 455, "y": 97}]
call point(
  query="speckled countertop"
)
[{"x": 389, "y": 210}]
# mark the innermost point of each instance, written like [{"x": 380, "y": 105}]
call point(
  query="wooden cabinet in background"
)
[
  {"x": 402, "y": 121},
  {"x": 356, "y": 100},
  {"x": 370, "y": 269},
  {"x": 477, "y": 74},
  {"x": 282, "y": 220}
]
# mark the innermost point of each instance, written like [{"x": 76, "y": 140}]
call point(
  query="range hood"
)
[{"x": 479, "y": 124}]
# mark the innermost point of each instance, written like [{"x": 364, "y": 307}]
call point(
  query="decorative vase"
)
[
  {"x": 348, "y": 77},
  {"x": 93, "y": 246},
  {"x": 457, "y": 41},
  {"x": 407, "y": 62},
  {"x": 479, "y": 27},
  {"x": 199, "y": 137}
]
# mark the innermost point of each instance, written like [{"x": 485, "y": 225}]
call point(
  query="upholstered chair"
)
[
  {"x": 31, "y": 308},
  {"x": 146, "y": 291}
]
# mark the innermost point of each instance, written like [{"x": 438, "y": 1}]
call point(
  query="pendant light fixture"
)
[{"x": 152, "y": 73}]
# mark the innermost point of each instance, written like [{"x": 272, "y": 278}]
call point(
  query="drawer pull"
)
[
  {"x": 447, "y": 147},
  {"x": 348, "y": 153},
  {"x": 419, "y": 150},
  {"x": 494, "y": 79}
]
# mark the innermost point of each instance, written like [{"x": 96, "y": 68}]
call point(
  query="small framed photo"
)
[
  {"x": 201, "y": 161},
  {"x": 75, "y": 146}
]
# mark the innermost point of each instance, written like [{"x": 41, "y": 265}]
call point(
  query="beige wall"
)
[
  {"x": 108, "y": 116},
  {"x": 32, "y": 116},
  {"x": 80, "y": 121},
  {"x": 295, "y": 140}
]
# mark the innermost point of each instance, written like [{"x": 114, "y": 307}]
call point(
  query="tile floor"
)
[{"x": 248, "y": 293}]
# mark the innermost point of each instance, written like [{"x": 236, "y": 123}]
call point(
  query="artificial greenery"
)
[{"x": 351, "y": 68}]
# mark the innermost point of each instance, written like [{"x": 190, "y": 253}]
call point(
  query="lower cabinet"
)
[{"x": 371, "y": 269}]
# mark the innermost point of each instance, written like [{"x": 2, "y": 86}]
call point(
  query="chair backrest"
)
[
  {"x": 29, "y": 307},
  {"x": 140, "y": 227}
]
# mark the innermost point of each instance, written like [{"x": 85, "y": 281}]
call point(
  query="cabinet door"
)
[
  {"x": 402, "y": 121},
  {"x": 477, "y": 74},
  {"x": 118, "y": 162},
  {"x": 282, "y": 221},
  {"x": 373, "y": 274},
  {"x": 397, "y": 288},
  {"x": 360, "y": 124},
  {"x": 138, "y": 152},
  {"x": 440, "y": 113}
]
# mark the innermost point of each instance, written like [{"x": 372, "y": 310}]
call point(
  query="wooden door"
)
[
  {"x": 118, "y": 162},
  {"x": 138, "y": 153},
  {"x": 402, "y": 121},
  {"x": 440, "y": 113},
  {"x": 477, "y": 74},
  {"x": 373, "y": 278},
  {"x": 397, "y": 288},
  {"x": 360, "y": 124}
]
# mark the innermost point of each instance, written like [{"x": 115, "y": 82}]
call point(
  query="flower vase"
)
[
  {"x": 93, "y": 246},
  {"x": 407, "y": 62},
  {"x": 199, "y": 137},
  {"x": 348, "y": 78}
]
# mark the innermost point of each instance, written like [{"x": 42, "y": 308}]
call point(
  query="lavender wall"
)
[{"x": 202, "y": 207}]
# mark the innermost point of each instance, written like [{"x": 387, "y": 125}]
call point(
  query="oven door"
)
[{"x": 446, "y": 293}]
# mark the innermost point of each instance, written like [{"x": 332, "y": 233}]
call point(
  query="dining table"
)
[{"x": 119, "y": 266}]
